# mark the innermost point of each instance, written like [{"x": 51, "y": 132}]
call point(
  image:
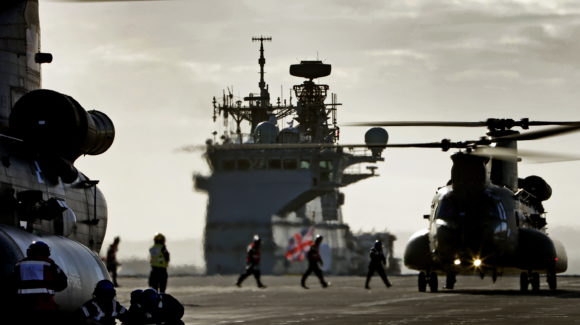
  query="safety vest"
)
[
  {"x": 93, "y": 311},
  {"x": 157, "y": 256},
  {"x": 253, "y": 255},
  {"x": 36, "y": 276}
]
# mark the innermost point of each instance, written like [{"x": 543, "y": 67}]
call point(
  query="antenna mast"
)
[{"x": 264, "y": 95}]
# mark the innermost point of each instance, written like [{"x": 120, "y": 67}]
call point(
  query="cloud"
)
[
  {"x": 399, "y": 57},
  {"x": 483, "y": 75}
]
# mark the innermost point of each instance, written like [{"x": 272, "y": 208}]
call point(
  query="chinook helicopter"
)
[
  {"x": 42, "y": 194},
  {"x": 487, "y": 220}
]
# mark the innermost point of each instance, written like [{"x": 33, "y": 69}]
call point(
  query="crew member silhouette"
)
[
  {"x": 377, "y": 263},
  {"x": 314, "y": 263},
  {"x": 252, "y": 263}
]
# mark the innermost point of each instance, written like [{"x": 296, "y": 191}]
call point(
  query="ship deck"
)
[{"x": 215, "y": 300}]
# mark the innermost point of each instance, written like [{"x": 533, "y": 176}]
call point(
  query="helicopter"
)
[
  {"x": 487, "y": 220},
  {"x": 43, "y": 196}
]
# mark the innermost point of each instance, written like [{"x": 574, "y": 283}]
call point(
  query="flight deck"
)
[{"x": 215, "y": 300}]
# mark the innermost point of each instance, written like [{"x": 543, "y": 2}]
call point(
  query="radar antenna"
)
[{"x": 264, "y": 95}]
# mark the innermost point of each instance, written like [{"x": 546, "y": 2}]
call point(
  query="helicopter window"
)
[
  {"x": 501, "y": 211},
  {"x": 229, "y": 165},
  {"x": 500, "y": 228},
  {"x": 444, "y": 209},
  {"x": 243, "y": 164},
  {"x": 304, "y": 164},
  {"x": 275, "y": 164},
  {"x": 289, "y": 164}
]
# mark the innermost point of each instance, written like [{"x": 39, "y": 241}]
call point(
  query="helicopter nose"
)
[
  {"x": 466, "y": 240},
  {"x": 447, "y": 237}
]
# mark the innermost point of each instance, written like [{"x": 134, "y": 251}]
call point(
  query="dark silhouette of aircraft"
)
[
  {"x": 42, "y": 194},
  {"x": 487, "y": 220}
]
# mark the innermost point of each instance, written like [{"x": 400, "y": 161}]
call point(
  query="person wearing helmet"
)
[
  {"x": 36, "y": 278},
  {"x": 111, "y": 259},
  {"x": 314, "y": 263},
  {"x": 159, "y": 259},
  {"x": 103, "y": 308},
  {"x": 377, "y": 263},
  {"x": 252, "y": 263},
  {"x": 150, "y": 307}
]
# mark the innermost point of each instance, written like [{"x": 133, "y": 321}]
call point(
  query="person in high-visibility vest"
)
[
  {"x": 252, "y": 263},
  {"x": 103, "y": 309},
  {"x": 37, "y": 278},
  {"x": 151, "y": 307},
  {"x": 159, "y": 259}
]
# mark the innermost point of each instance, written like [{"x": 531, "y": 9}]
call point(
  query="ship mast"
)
[{"x": 264, "y": 94}]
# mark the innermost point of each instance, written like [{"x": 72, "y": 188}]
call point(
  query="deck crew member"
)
[
  {"x": 314, "y": 263},
  {"x": 112, "y": 263},
  {"x": 36, "y": 279},
  {"x": 377, "y": 263},
  {"x": 103, "y": 309},
  {"x": 159, "y": 259},
  {"x": 252, "y": 263},
  {"x": 150, "y": 307}
]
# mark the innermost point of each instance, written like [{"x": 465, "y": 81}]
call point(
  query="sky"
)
[{"x": 154, "y": 67}]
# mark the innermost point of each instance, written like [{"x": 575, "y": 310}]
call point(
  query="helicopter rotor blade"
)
[
  {"x": 491, "y": 123},
  {"x": 93, "y": 1},
  {"x": 444, "y": 144},
  {"x": 540, "y": 134},
  {"x": 533, "y": 156},
  {"x": 418, "y": 123}
]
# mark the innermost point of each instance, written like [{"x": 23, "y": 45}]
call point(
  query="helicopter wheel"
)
[
  {"x": 524, "y": 282},
  {"x": 433, "y": 282},
  {"x": 535, "y": 282},
  {"x": 450, "y": 281},
  {"x": 422, "y": 282},
  {"x": 552, "y": 281}
]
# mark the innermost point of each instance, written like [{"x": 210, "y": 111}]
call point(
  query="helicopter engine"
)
[
  {"x": 536, "y": 186},
  {"x": 57, "y": 129},
  {"x": 468, "y": 174}
]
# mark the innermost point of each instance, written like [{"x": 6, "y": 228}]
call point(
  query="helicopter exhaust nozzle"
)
[{"x": 54, "y": 124}]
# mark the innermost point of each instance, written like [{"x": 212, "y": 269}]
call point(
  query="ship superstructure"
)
[{"x": 277, "y": 182}]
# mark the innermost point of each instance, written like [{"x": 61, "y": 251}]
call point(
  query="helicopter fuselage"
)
[{"x": 493, "y": 232}]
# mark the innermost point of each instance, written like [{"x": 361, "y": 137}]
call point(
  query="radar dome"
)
[
  {"x": 376, "y": 136},
  {"x": 266, "y": 132},
  {"x": 289, "y": 135}
]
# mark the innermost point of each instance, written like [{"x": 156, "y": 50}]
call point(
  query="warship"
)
[{"x": 282, "y": 183}]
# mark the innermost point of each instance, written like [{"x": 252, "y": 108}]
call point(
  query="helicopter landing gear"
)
[
  {"x": 450, "y": 280},
  {"x": 524, "y": 282},
  {"x": 535, "y": 281},
  {"x": 422, "y": 282},
  {"x": 433, "y": 282},
  {"x": 428, "y": 279},
  {"x": 527, "y": 278},
  {"x": 552, "y": 281}
]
